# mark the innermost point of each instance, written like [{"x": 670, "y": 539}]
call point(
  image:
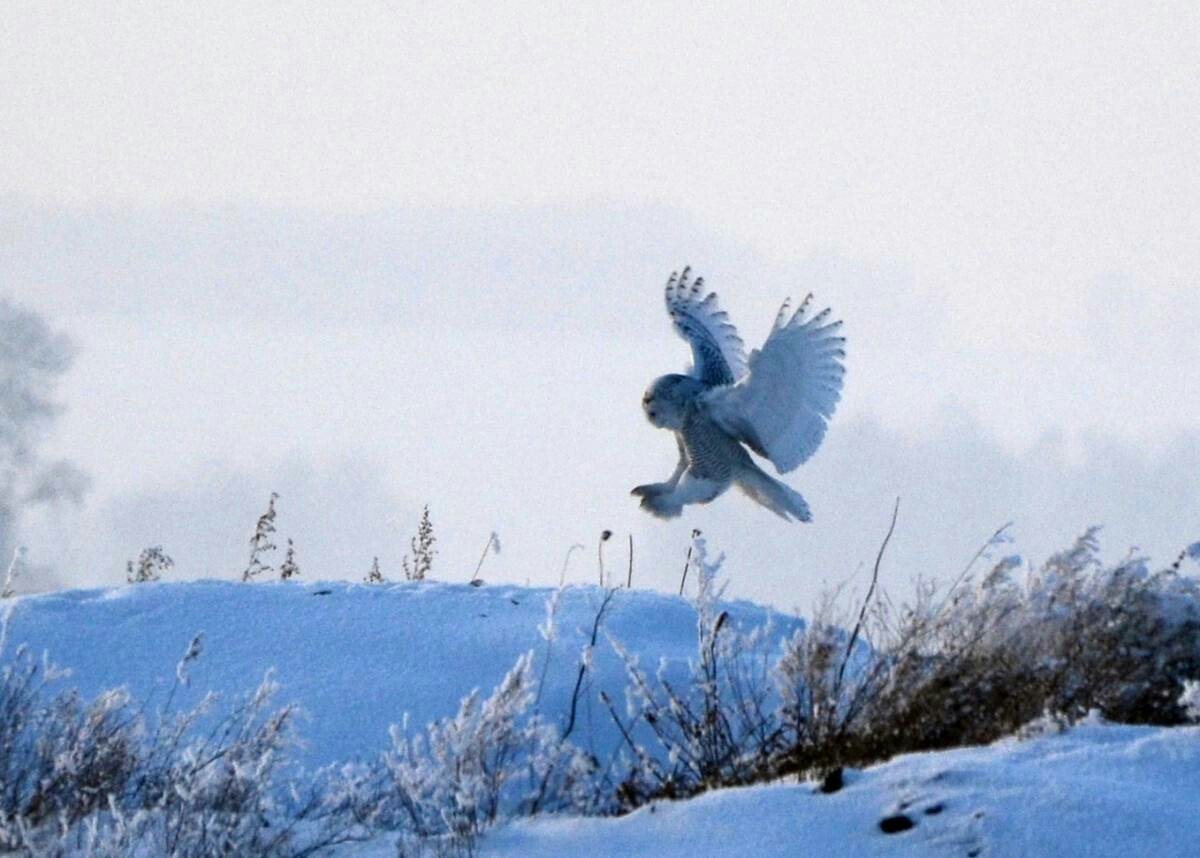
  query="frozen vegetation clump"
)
[
  {"x": 101, "y": 778},
  {"x": 151, "y": 565},
  {"x": 1074, "y": 636},
  {"x": 718, "y": 728},
  {"x": 1014, "y": 651},
  {"x": 374, "y": 575},
  {"x": 1190, "y": 699},
  {"x": 1071, "y": 639},
  {"x": 495, "y": 759},
  {"x": 261, "y": 542},
  {"x": 289, "y": 568},
  {"x": 419, "y": 564}
]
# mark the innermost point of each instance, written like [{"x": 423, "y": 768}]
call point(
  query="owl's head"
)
[{"x": 667, "y": 399}]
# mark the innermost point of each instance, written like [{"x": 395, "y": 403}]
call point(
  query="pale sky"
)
[{"x": 375, "y": 256}]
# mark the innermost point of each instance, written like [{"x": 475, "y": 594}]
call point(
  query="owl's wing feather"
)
[
  {"x": 719, "y": 357},
  {"x": 782, "y": 407}
]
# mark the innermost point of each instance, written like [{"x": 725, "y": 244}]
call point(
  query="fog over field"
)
[{"x": 378, "y": 259}]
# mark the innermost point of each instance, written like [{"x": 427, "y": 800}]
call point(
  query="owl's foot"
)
[
  {"x": 658, "y": 500},
  {"x": 650, "y": 490}
]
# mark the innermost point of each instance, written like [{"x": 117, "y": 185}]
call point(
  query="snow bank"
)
[
  {"x": 1092, "y": 792},
  {"x": 356, "y": 657}
]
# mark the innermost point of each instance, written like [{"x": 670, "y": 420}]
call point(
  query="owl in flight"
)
[{"x": 778, "y": 403}]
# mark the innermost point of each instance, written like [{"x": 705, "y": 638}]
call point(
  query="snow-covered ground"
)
[
  {"x": 1091, "y": 792},
  {"x": 357, "y": 657}
]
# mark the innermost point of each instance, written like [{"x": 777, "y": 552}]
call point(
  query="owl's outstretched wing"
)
[
  {"x": 718, "y": 356},
  {"x": 781, "y": 409}
]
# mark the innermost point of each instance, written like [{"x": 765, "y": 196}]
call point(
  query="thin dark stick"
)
[
  {"x": 562, "y": 578},
  {"x": 482, "y": 557},
  {"x": 979, "y": 553},
  {"x": 629, "y": 578},
  {"x": 970, "y": 563},
  {"x": 583, "y": 665},
  {"x": 604, "y": 537},
  {"x": 607, "y": 701},
  {"x": 862, "y": 614},
  {"x": 686, "y": 564},
  {"x": 637, "y": 749}
]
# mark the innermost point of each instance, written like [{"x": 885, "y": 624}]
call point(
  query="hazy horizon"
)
[{"x": 375, "y": 259}]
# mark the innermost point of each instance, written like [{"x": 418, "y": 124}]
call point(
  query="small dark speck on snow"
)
[
  {"x": 833, "y": 781},
  {"x": 895, "y": 824}
]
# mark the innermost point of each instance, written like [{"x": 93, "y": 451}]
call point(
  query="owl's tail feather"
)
[{"x": 776, "y": 496}]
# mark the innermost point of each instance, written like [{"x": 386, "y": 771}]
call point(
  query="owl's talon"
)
[{"x": 661, "y": 506}]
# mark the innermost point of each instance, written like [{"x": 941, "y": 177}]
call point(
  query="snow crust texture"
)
[
  {"x": 1094, "y": 791},
  {"x": 357, "y": 657}
]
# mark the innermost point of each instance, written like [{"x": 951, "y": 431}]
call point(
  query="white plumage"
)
[{"x": 778, "y": 402}]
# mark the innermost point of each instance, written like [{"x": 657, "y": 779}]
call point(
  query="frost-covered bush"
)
[
  {"x": 1190, "y": 700},
  {"x": 374, "y": 575},
  {"x": 107, "y": 779},
  {"x": 494, "y": 759},
  {"x": 224, "y": 791},
  {"x": 60, "y": 758},
  {"x": 289, "y": 568},
  {"x": 261, "y": 542},
  {"x": 991, "y": 655},
  {"x": 418, "y": 566},
  {"x": 1071, "y": 638},
  {"x": 1015, "y": 652},
  {"x": 151, "y": 565},
  {"x": 716, "y": 729},
  {"x": 99, "y": 779}
]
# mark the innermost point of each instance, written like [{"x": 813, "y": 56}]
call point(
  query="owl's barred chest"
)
[{"x": 710, "y": 452}]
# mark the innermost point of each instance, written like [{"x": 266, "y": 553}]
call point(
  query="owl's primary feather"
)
[
  {"x": 778, "y": 403},
  {"x": 719, "y": 357},
  {"x": 782, "y": 408}
]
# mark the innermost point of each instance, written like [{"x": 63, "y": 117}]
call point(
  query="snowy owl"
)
[{"x": 777, "y": 403}]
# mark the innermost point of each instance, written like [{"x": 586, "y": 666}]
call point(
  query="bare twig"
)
[
  {"x": 688, "y": 562},
  {"x": 605, "y": 535},
  {"x": 991, "y": 541},
  {"x": 629, "y": 577},
  {"x": 862, "y": 614},
  {"x": 583, "y": 666},
  {"x": 492, "y": 542},
  {"x": 18, "y": 559},
  {"x": 646, "y": 760},
  {"x": 970, "y": 563},
  {"x": 1192, "y": 551},
  {"x": 562, "y": 577}
]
